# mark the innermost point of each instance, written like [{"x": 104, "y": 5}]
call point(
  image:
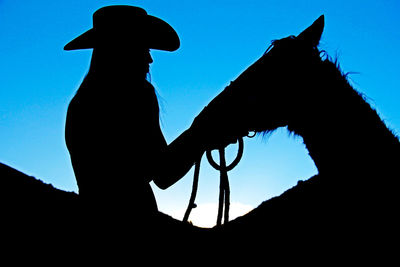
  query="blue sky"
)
[{"x": 219, "y": 39}]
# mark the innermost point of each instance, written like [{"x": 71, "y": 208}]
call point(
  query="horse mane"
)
[
  {"x": 323, "y": 55},
  {"x": 342, "y": 90},
  {"x": 331, "y": 66}
]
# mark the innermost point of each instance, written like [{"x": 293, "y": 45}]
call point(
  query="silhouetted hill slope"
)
[
  {"x": 24, "y": 196},
  {"x": 318, "y": 215},
  {"x": 18, "y": 187}
]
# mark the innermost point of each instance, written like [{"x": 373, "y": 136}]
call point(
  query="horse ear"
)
[{"x": 313, "y": 33}]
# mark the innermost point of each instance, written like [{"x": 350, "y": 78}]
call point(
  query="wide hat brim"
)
[{"x": 148, "y": 31}]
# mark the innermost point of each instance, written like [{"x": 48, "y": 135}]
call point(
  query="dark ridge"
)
[
  {"x": 314, "y": 215},
  {"x": 19, "y": 186}
]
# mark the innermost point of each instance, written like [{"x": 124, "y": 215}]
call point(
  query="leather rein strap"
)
[{"x": 224, "y": 189}]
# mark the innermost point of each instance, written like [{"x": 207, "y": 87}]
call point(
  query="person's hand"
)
[{"x": 215, "y": 129}]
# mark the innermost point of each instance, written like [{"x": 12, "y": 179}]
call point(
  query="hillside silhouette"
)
[{"x": 307, "y": 217}]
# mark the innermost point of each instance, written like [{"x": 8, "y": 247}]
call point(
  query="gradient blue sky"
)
[{"x": 219, "y": 39}]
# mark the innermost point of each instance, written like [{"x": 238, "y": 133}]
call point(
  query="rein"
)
[{"x": 224, "y": 190}]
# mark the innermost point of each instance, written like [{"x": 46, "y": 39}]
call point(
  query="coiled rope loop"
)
[{"x": 224, "y": 190}]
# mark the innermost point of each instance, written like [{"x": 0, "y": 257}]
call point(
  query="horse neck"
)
[{"x": 340, "y": 129}]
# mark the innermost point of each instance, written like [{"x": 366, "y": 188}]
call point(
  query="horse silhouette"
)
[
  {"x": 296, "y": 85},
  {"x": 292, "y": 86}
]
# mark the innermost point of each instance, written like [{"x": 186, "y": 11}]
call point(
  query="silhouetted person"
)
[{"x": 112, "y": 128}]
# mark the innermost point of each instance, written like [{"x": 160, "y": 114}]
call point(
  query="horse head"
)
[{"x": 268, "y": 94}]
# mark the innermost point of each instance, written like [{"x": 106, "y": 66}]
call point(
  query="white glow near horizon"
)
[{"x": 205, "y": 214}]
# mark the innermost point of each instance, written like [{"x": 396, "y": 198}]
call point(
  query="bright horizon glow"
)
[
  {"x": 219, "y": 39},
  {"x": 205, "y": 214}
]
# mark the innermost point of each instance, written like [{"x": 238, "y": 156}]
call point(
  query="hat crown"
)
[{"x": 119, "y": 15}]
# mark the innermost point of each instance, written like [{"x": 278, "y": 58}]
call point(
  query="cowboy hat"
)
[{"x": 129, "y": 24}]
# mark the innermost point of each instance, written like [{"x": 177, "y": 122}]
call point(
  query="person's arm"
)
[
  {"x": 205, "y": 133},
  {"x": 177, "y": 159}
]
